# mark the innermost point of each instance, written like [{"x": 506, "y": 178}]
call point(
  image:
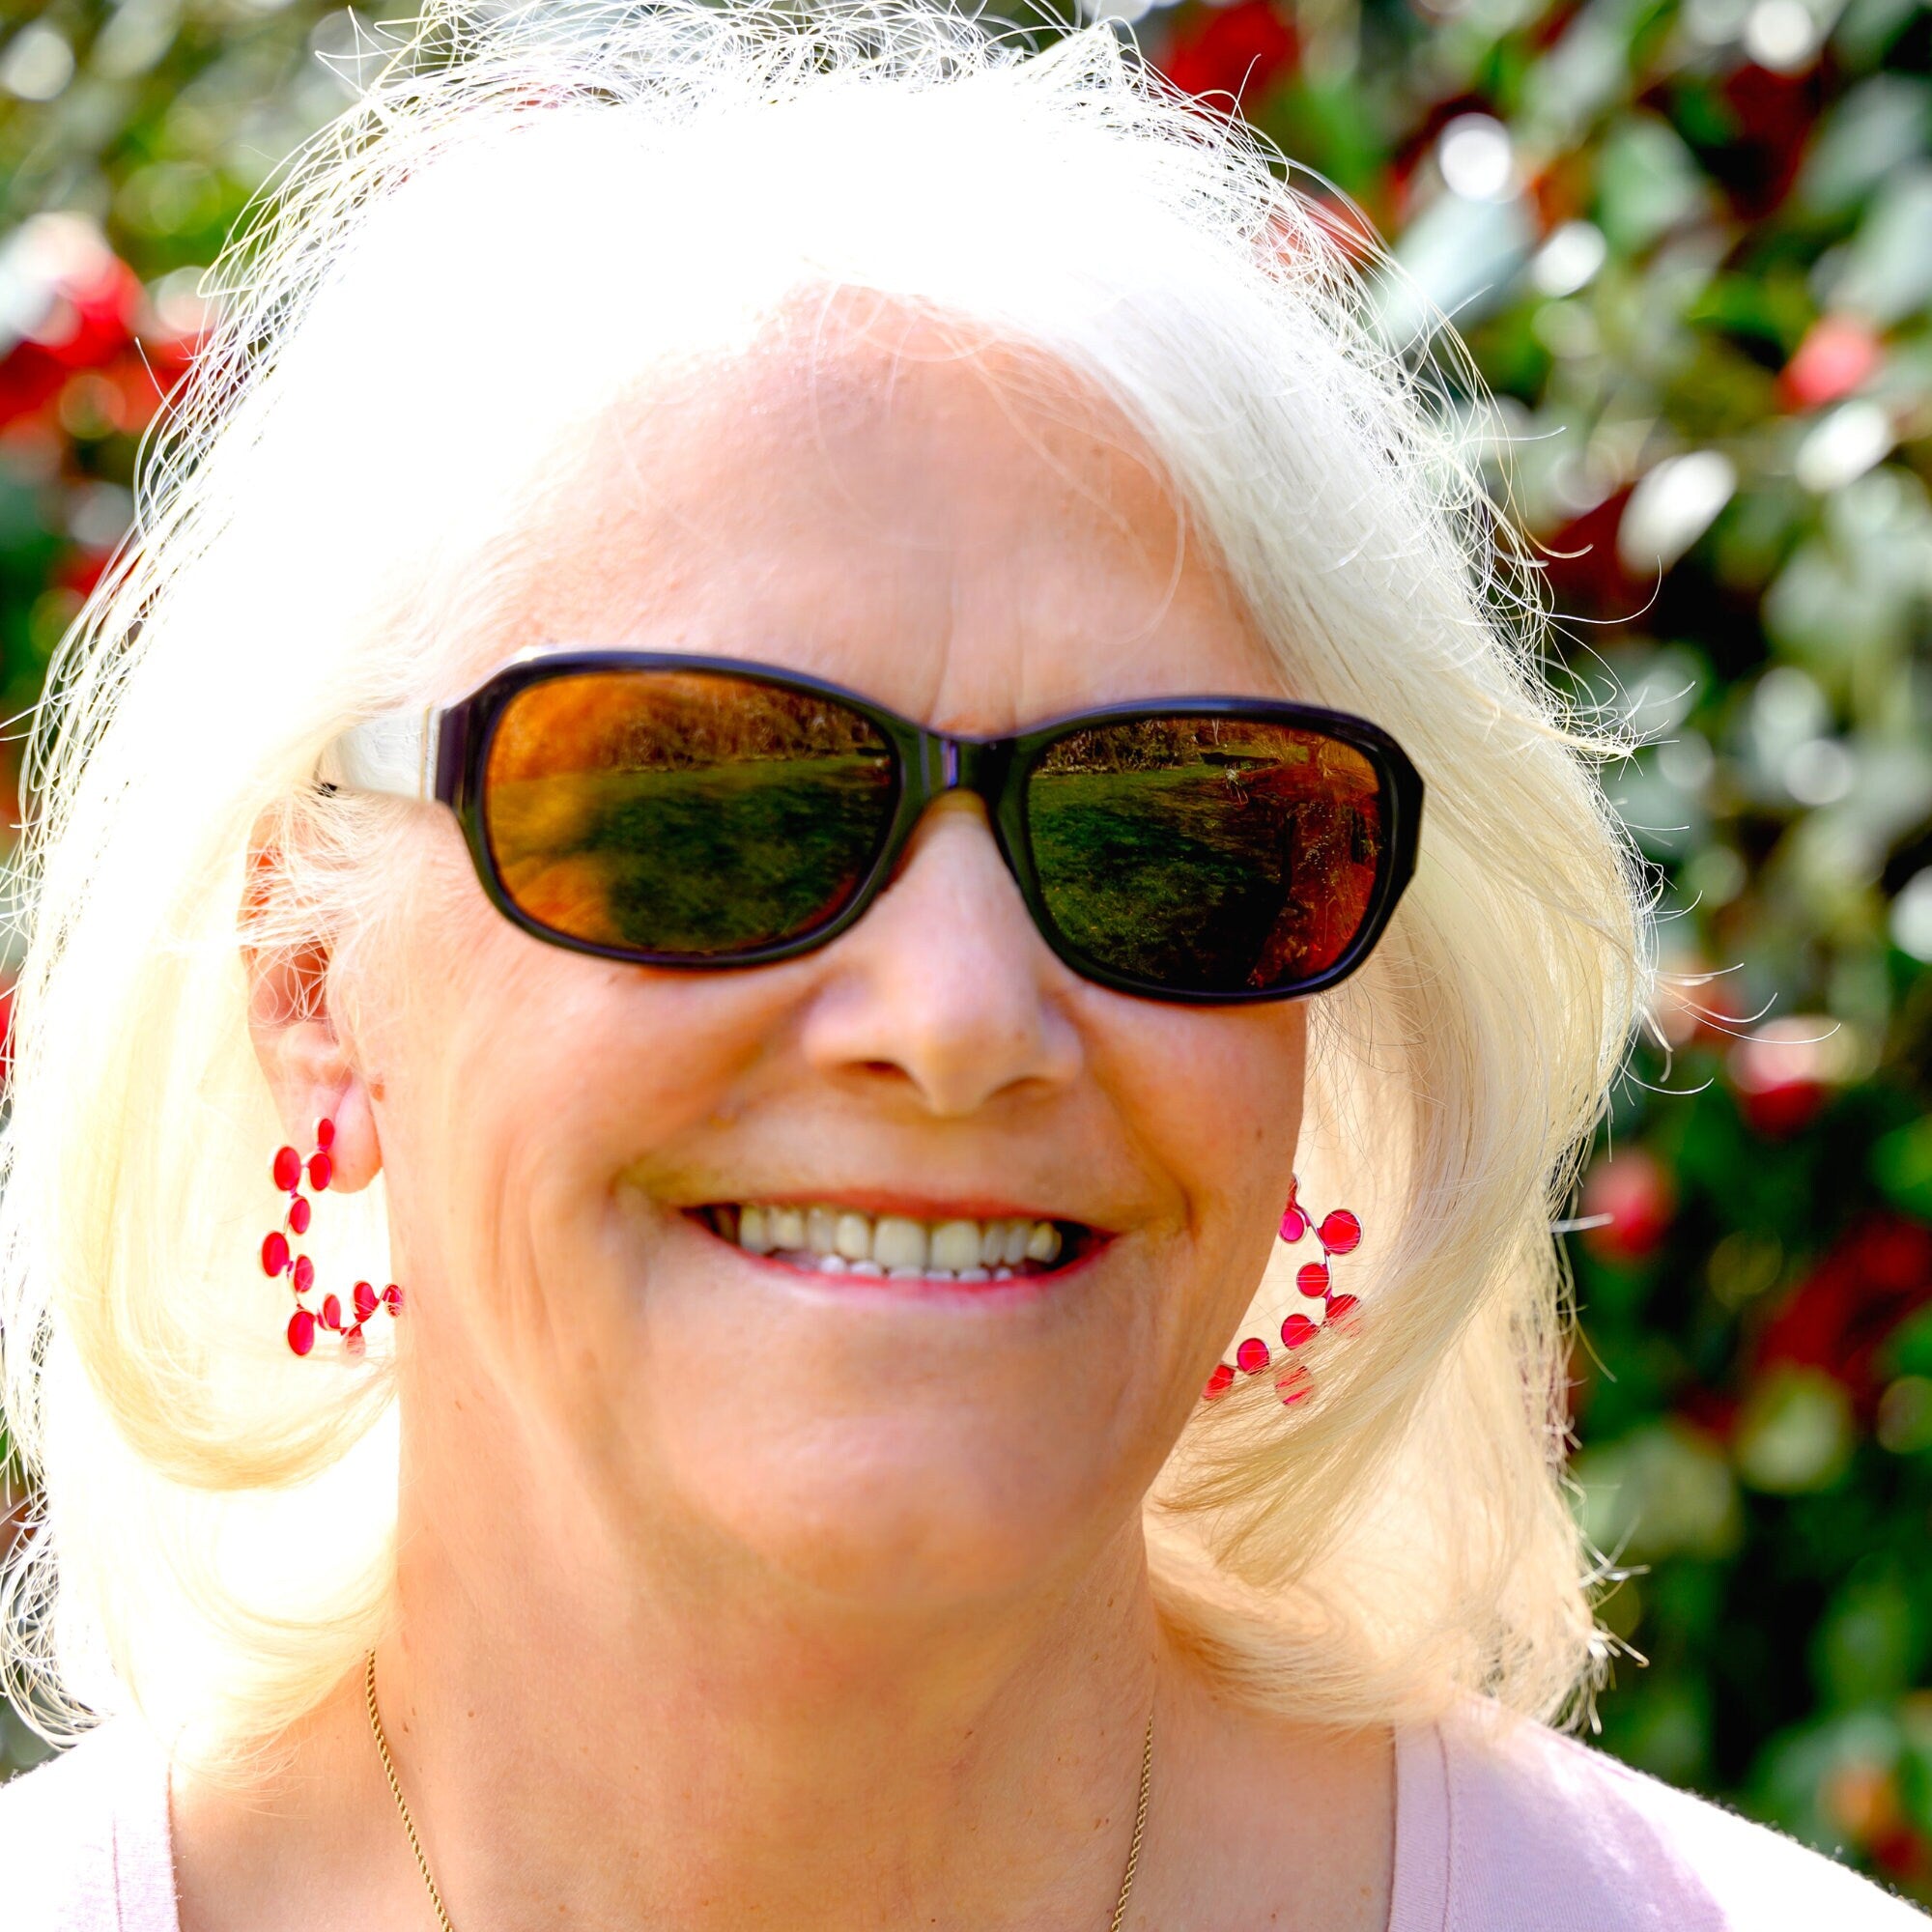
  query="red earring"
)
[
  {"x": 277, "y": 1259},
  {"x": 1339, "y": 1233}
]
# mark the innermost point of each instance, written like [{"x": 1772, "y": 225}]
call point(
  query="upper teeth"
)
[{"x": 839, "y": 1239}]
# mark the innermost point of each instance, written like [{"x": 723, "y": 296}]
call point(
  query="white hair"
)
[{"x": 527, "y": 211}]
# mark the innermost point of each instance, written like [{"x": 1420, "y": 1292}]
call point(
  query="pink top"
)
[{"x": 1528, "y": 1831}]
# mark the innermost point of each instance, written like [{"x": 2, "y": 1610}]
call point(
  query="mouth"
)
[{"x": 823, "y": 1238}]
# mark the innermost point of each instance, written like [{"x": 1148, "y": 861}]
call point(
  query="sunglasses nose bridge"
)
[
  {"x": 979, "y": 766},
  {"x": 965, "y": 764},
  {"x": 939, "y": 764}
]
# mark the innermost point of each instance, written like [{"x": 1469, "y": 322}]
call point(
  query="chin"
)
[{"x": 891, "y": 1517}]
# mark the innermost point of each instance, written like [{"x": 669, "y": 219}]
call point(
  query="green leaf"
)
[
  {"x": 1901, "y": 1164},
  {"x": 1794, "y": 1432},
  {"x": 1647, "y": 182}
]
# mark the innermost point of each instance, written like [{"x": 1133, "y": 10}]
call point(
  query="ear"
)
[{"x": 309, "y": 1067}]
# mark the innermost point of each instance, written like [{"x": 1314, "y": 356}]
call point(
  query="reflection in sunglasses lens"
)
[
  {"x": 1210, "y": 855},
  {"x": 685, "y": 813}
]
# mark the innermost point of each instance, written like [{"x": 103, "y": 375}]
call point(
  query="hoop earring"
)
[
  {"x": 1340, "y": 1232},
  {"x": 289, "y": 1169}
]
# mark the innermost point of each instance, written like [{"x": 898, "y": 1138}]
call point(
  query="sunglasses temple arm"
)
[{"x": 394, "y": 754}]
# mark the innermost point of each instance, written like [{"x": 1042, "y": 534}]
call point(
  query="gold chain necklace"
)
[{"x": 436, "y": 1897}]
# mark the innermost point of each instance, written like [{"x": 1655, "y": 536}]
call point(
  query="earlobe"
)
[
  {"x": 355, "y": 1154},
  {"x": 299, "y": 1047},
  {"x": 312, "y": 1078}
]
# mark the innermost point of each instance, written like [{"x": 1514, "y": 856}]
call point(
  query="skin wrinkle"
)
[
  {"x": 1026, "y": 388},
  {"x": 824, "y": 1612}
]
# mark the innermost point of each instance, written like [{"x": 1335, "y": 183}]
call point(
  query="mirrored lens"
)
[
  {"x": 1210, "y": 855},
  {"x": 691, "y": 815}
]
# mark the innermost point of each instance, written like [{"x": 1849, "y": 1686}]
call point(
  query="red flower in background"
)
[
  {"x": 1581, "y": 563},
  {"x": 83, "y": 302},
  {"x": 80, "y": 571},
  {"x": 1237, "y": 50},
  {"x": 73, "y": 342},
  {"x": 84, "y": 356},
  {"x": 1840, "y": 1316},
  {"x": 1635, "y": 1189},
  {"x": 1840, "y": 353},
  {"x": 1783, "y": 1072},
  {"x": 1712, "y": 1411},
  {"x": 1776, "y": 115},
  {"x": 1904, "y": 1853}
]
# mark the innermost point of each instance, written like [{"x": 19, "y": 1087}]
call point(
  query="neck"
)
[{"x": 671, "y": 1737}]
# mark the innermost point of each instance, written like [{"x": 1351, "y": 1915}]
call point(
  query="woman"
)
[{"x": 723, "y": 907}]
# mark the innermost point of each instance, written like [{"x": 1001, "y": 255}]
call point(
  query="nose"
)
[{"x": 945, "y": 986}]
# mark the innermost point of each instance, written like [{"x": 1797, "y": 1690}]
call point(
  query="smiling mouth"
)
[{"x": 821, "y": 1238}]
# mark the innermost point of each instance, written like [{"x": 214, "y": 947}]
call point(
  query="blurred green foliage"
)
[{"x": 1689, "y": 244}]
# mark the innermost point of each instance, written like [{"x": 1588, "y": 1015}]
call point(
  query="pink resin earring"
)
[
  {"x": 1339, "y": 1233},
  {"x": 277, "y": 1259}
]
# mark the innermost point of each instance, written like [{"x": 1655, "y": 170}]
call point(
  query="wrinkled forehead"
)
[{"x": 897, "y": 501}]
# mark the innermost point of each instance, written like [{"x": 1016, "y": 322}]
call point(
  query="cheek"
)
[
  {"x": 501, "y": 1031},
  {"x": 1213, "y": 1096},
  {"x": 514, "y": 1080},
  {"x": 1212, "y": 1100}
]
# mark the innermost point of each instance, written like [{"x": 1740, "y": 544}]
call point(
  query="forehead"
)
[{"x": 962, "y": 530}]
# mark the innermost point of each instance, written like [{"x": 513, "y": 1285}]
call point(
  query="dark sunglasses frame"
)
[{"x": 451, "y": 747}]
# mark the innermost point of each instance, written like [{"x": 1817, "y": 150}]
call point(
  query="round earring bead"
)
[
  {"x": 1340, "y": 1232},
  {"x": 278, "y": 1258},
  {"x": 1296, "y": 1385}
]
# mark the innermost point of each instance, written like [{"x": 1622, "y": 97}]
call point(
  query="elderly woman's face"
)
[{"x": 978, "y": 546}]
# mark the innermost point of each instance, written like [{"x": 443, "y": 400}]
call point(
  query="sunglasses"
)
[{"x": 692, "y": 811}]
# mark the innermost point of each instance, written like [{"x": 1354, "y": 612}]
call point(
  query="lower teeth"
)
[{"x": 812, "y": 1263}]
